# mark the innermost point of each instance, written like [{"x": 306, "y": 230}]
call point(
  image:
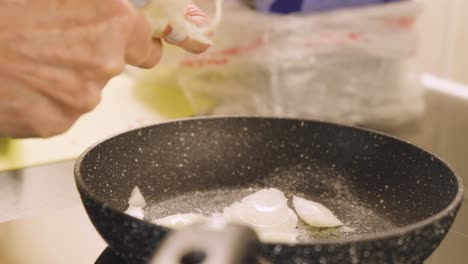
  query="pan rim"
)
[{"x": 397, "y": 232}]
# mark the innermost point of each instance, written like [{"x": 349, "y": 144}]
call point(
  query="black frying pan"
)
[{"x": 399, "y": 199}]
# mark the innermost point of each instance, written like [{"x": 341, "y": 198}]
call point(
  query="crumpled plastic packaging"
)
[{"x": 348, "y": 66}]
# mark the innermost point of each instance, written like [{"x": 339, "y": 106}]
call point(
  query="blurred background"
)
[
  {"x": 399, "y": 67},
  {"x": 443, "y": 38}
]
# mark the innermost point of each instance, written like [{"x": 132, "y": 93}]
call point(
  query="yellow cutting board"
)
[{"x": 126, "y": 104}]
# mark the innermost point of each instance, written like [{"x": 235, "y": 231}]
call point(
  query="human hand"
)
[{"x": 57, "y": 55}]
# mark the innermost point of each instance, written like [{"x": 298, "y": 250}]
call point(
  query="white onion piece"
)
[
  {"x": 266, "y": 207},
  {"x": 315, "y": 214},
  {"x": 136, "y": 212},
  {"x": 286, "y": 224},
  {"x": 291, "y": 224},
  {"x": 234, "y": 213},
  {"x": 180, "y": 220},
  {"x": 136, "y": 198},
  {"x": 136, "y": 204},
  {"x": 268, "y": 214}
]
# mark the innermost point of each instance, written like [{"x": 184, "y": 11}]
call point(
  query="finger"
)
[
  {"x": 87, "y": 98},
  {"x": 189, "y": 44},
  {"x": 43, "y": 118},
  {"x": 141, "y": 50},
  {"x": 154, "y": 55},
  {"x": 139, "y": 3},
  {"x": 195, "y": 15}
]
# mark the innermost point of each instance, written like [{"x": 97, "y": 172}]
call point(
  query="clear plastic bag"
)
[{"x": 349, "y": 66}]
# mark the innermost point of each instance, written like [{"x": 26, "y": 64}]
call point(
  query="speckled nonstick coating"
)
[{"x": 399, "y": 200}]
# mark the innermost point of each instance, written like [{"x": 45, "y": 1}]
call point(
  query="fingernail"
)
[
  {"x": 176, "y": 37},
  {"x": 139, "y": 3}
]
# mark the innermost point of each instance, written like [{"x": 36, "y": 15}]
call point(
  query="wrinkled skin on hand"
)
[{"x": 57, "y": 55}]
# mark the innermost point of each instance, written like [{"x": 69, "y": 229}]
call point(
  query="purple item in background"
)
[{"x": 304, "y": 6}]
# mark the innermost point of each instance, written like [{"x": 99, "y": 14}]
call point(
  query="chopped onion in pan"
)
[
  {"x": 180, "y": 220},
  {"x": 136, "y": 204},
  {"x": 137, "y": 199},
  {"x": 315, "y": 214},
  {"x": 266, "y": 211}
]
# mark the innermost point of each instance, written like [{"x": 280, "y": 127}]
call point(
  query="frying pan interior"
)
[{"x": 379, "y": 186}]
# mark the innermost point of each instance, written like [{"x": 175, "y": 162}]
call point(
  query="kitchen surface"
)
[{"x": 42, "y": 220}]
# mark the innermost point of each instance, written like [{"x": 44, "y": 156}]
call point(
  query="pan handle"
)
[{"x": 213, "y": 242}]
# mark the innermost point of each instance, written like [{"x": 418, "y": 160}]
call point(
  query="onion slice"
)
[
  {"x": 267, "y": 212},
  {"x": 136, "y": 204},
  {"x": 136, "y": 212},
  {"x": 315, "y": 214},
  {"x": 179, "y": 221},
  {"x": 136, "y": 198}
]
